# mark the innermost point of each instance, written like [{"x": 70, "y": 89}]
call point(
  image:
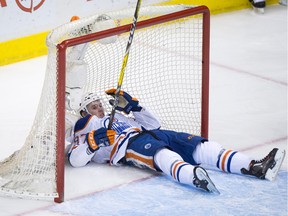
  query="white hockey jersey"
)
[{"x": 78, "y": 154}]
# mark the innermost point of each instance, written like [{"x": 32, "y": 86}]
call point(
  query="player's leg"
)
[
  {"x": 147, "y": 151},
  {"x": 213, "y": 154},
  {"x": 172, "y": 164}
]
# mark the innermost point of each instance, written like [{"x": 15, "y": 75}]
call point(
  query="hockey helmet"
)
[{"x": 87, "y": 99}]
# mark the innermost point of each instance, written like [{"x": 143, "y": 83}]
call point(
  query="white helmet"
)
[{"x": 87, "y": 99}]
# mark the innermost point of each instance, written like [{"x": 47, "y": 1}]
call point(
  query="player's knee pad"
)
[
  {"x": 165, "y": 158},
  {"x": 207, "y": 153}
]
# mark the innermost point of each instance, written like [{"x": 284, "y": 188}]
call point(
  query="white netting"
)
[{"x": 164, "y": 72}]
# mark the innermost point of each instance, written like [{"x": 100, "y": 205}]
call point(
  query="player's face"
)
[{"x": 96, "y": 108}]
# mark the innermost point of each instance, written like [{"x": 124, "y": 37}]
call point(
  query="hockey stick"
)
[{"x": 125, "y": 59}]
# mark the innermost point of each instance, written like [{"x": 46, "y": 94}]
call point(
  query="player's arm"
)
[
  {"x": 129, "y": 104},
  {"x": 82, "y": 153},
  {"x": 147, "y": 119}
]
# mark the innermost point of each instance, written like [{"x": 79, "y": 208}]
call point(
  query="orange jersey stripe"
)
[
  {"x": 121, "y": 143},
  {"x": 116, "y": 145},
  {"x": 132, "y": 156}
]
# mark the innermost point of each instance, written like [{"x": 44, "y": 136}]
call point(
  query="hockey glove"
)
[
  {"x": 126, "y": 102},
  {"x": 99, "y": 138}
]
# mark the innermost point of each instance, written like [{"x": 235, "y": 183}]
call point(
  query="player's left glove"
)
[
  {"x": 99, "y": 138},
  {"x": 126, "y": 102}
]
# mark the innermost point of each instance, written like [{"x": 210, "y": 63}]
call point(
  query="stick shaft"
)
[{"x": 125, "y": 60}]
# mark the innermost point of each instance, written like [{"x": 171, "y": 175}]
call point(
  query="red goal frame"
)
[{"x": 61, "y": 77}]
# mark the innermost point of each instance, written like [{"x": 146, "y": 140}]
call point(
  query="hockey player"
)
[
  {"x": 258, "y": 5},
  {"x": 140, "y": 142}
]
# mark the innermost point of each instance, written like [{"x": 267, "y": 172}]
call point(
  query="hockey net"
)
[{"x": 167, "y": 71}]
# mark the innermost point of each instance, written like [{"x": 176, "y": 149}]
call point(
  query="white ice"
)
[{"x": 248, "y": 112}]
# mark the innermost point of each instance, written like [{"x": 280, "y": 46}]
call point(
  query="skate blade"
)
[
  {"x": 272, "y": 172},
  {"x": 211, "y": 186},
  {"x": 213, "y": 189}
]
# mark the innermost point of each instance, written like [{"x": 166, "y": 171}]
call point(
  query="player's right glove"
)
[
  {"x": 126, "y": 102},
  {"x": 99, "y": 138}
]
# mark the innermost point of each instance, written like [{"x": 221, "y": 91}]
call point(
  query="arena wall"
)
[{"x": 25, "y": 24}]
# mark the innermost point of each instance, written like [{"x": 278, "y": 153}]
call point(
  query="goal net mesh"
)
[{"x": 164, "y": 72}]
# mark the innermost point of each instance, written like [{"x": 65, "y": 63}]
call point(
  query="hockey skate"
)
[
  {"x": 258, "y": 5},
  {"x": 202, "y": 180},
  {"x": 268, "y": 167}
]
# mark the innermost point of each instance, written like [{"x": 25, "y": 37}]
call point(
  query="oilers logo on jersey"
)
[{"x": 117, "y": 125}]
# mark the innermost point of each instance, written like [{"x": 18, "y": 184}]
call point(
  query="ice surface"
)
[{"x": 160, "y": 196}]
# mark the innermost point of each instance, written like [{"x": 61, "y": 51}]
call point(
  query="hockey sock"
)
[
  {"x": 173, "y": 165},
  {"x": 213, "y": 154},
  {"x": 232, "y": 161}
]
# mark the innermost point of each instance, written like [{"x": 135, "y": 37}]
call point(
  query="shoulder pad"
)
[{"x": 81, "y": 123}]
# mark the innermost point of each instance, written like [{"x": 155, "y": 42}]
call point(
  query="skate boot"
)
[
  {"x": 258, "y": 5},
  {"x": 202, "y": 180},
  {"x": 268, "y": 167}
]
